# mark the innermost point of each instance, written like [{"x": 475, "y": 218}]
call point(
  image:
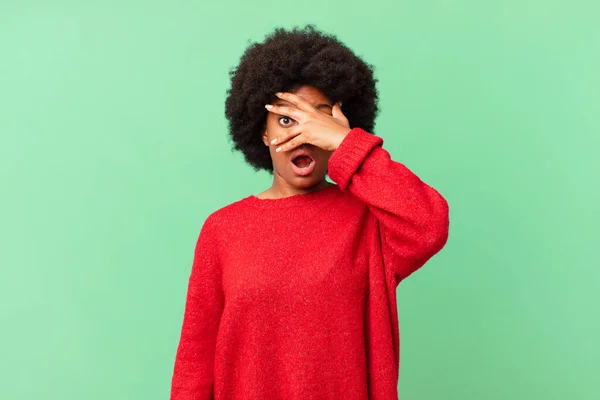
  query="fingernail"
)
[
  {"x": 277, "y": 149},
  {"x": 273, "y": 141},
  {"x": 278, "y": 94},
  {"x": 268, "y": 106}
]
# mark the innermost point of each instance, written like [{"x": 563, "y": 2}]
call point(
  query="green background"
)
[{"x": 114, "y": 150}]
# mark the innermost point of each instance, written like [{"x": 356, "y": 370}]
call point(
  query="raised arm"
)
[
  {"x": 194, "y": 362},
  {"x": 413, "y": 216}
]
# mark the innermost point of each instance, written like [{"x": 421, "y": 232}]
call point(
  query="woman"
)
[{"x": 292, "y": 292}]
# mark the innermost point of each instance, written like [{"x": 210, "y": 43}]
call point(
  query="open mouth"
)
[
  {"x": 303, "y": 165},
  {"x": 302, "y": 161}
]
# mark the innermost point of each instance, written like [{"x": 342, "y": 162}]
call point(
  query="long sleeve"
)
[
  {"x": 413, "y": 216},
  {"x": 194, "y": 362}
]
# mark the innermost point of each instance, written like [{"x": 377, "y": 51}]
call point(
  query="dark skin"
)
[{"x": 307, "y": 119}]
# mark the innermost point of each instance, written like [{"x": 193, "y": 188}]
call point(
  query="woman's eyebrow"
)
[{"x": 291, "y": 105}]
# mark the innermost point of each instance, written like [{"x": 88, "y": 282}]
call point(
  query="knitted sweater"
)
[{"x": 295, "y": 298}]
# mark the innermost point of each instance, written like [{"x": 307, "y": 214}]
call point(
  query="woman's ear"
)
[{"x": 265, "y": 138}]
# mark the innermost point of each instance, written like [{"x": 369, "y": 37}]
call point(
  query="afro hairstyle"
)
[{"x": 284, "y": 61}]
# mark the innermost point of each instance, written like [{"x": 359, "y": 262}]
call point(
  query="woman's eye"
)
[{"x": 286, "y": 120}]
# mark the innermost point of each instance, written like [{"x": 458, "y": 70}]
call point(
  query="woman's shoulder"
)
[
  {"x": 220, "y": 219},
  {"x": 228, "y": 212}
]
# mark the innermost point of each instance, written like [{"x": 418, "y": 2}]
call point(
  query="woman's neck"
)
[{"x": 284, "y": 189}]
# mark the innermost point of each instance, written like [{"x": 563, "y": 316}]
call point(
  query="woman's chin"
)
[{"x": 307, "y": 182}]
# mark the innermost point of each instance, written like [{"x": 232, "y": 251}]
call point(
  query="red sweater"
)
[{"x": 295, "y": 298}]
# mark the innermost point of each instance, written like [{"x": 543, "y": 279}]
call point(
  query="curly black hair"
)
[{"x": 286, "y": 60}]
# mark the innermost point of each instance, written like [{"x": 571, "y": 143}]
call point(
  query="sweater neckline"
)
[{"x": 297, "y": 200}]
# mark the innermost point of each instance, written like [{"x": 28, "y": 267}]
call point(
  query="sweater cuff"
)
[{"x": 347, "y": 158}]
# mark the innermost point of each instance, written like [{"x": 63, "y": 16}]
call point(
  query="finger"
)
[
  {"x": 298, "y": 101},
  {"x": 292, "y": 144},
  {"x": 289, "y": 111},
  {"x": 287, "y": 135},
  {"x": 336, "y": 112}
]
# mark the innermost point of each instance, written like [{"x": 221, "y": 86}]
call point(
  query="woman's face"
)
[{"x": 276, "y": 125}]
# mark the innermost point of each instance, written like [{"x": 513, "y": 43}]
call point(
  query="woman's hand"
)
[{"x": 314, "y": 126}]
